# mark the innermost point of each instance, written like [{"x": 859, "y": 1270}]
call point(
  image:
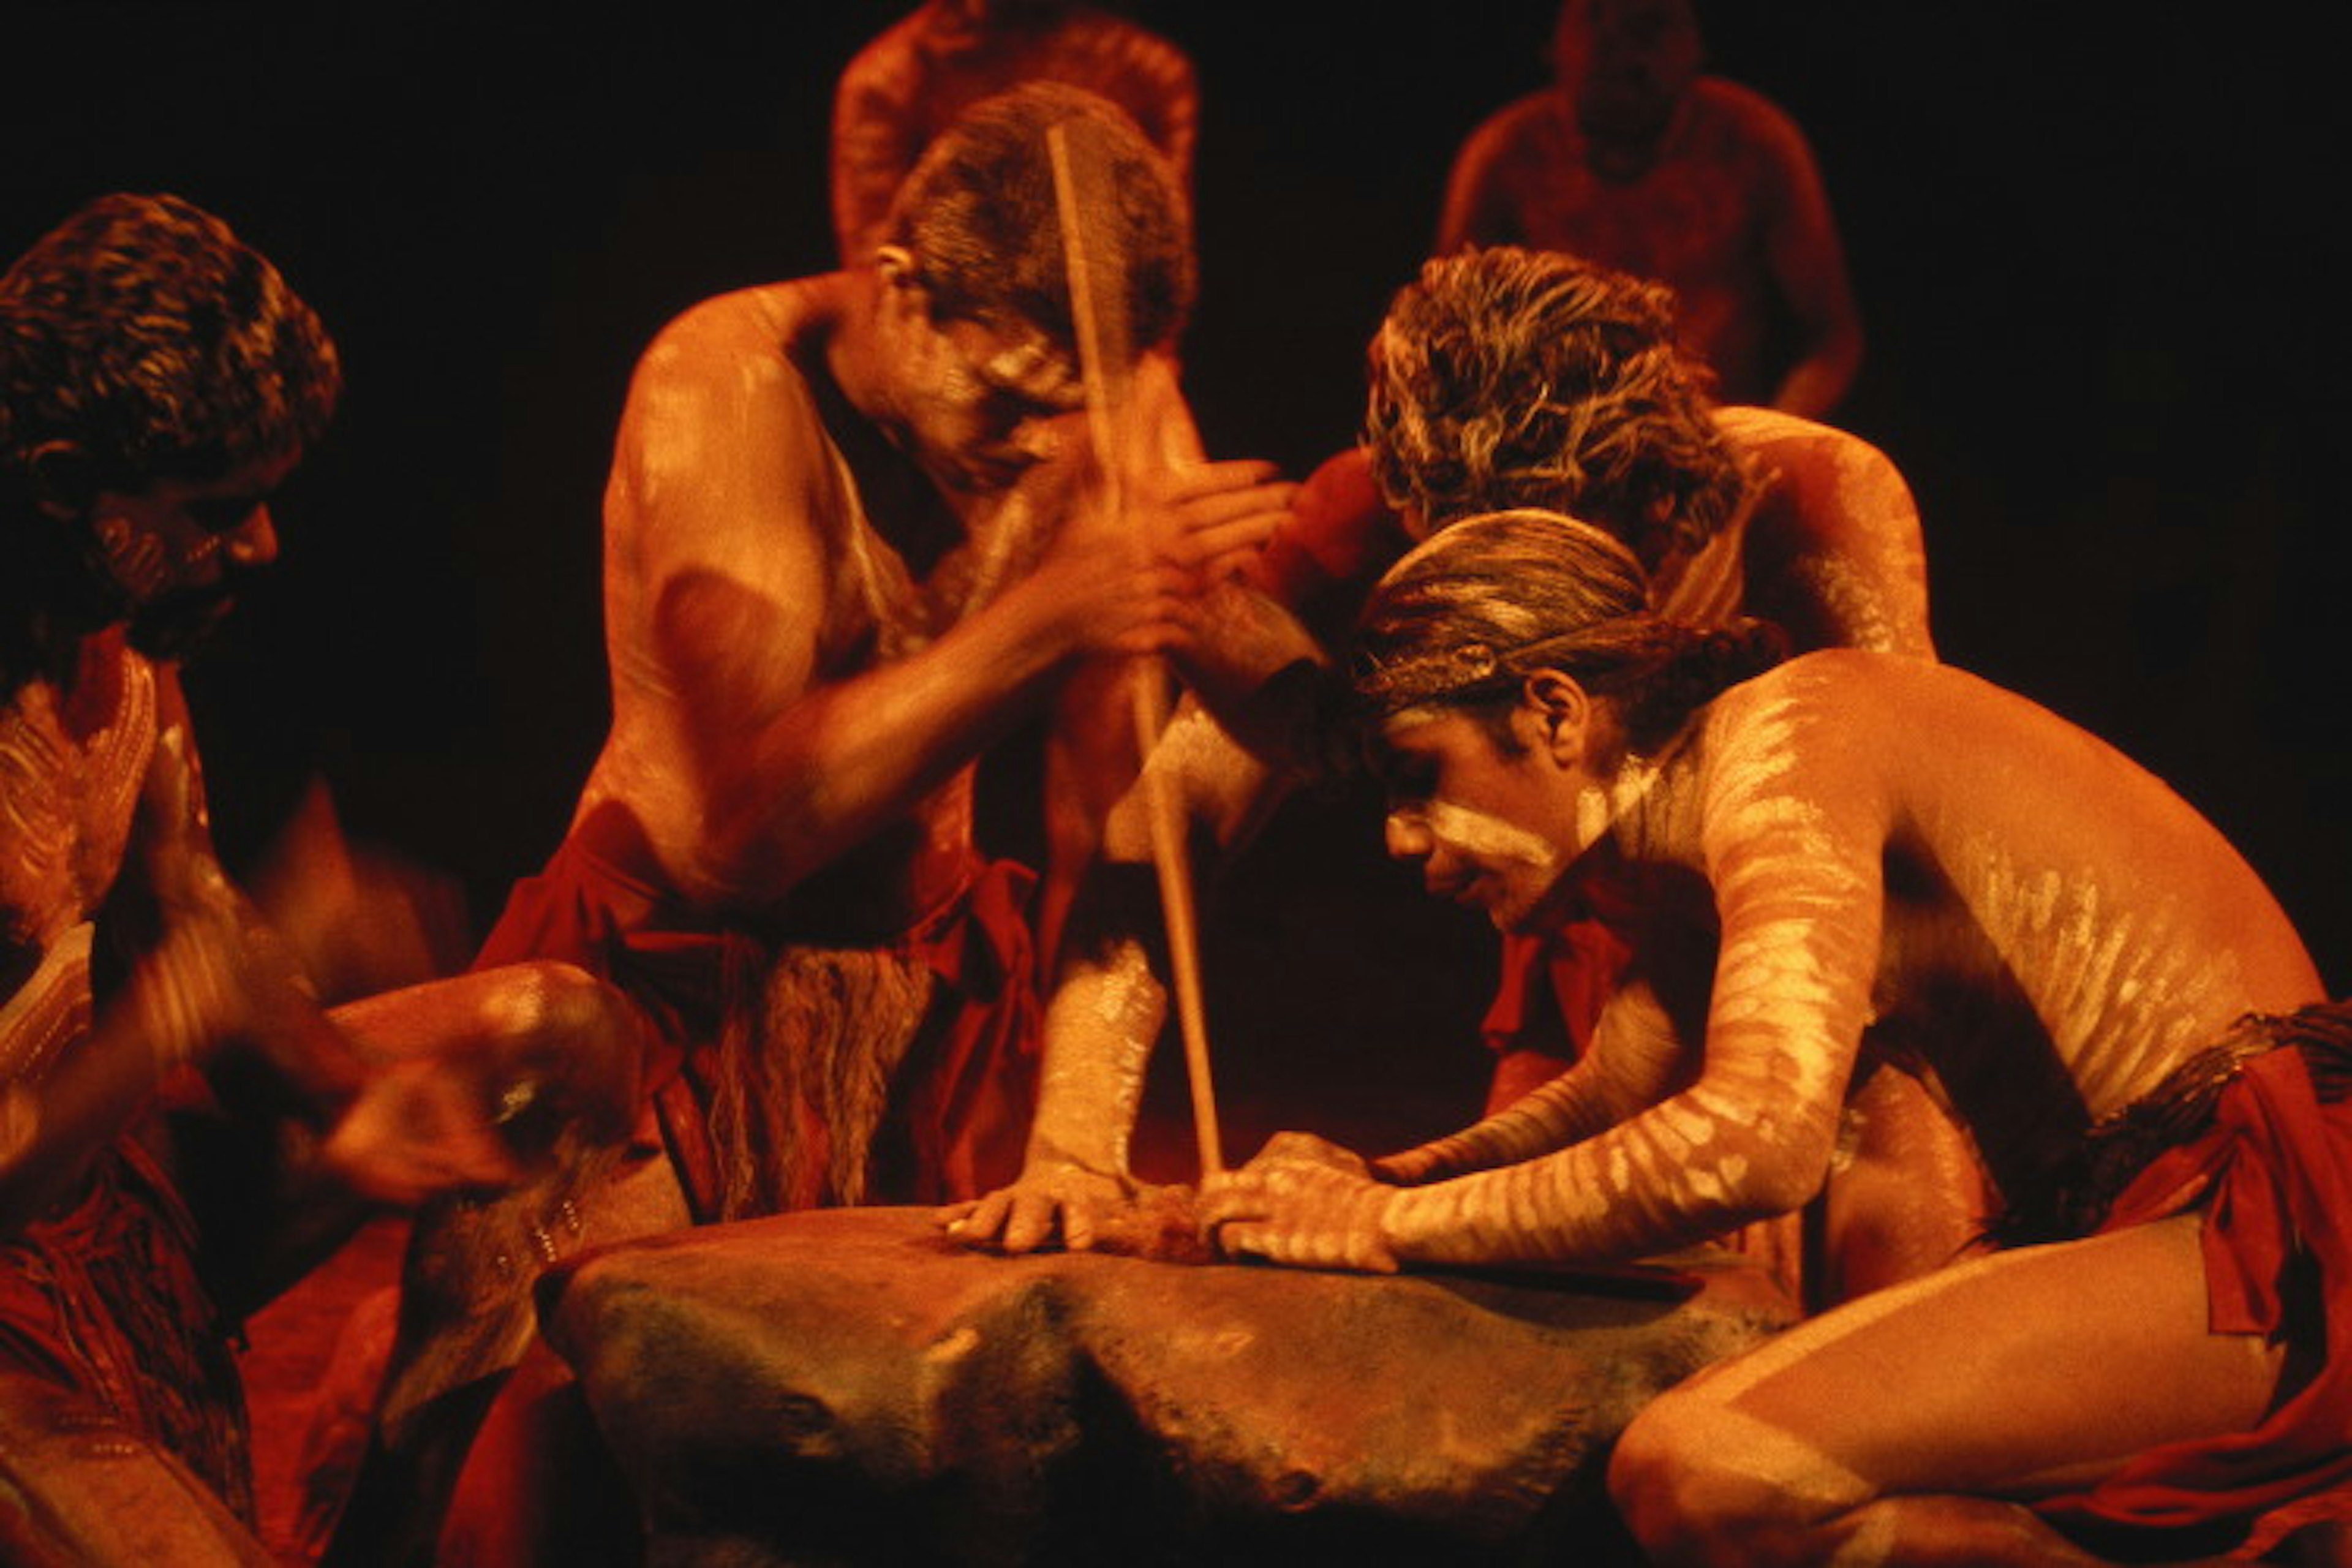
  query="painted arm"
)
[
  {"x": 1792, "y": 848},
  {"x": 733, "y": 507},
  {"x": 205, "y": 972},
  {"x": 1109, "y": 998},
  {"x": 1633, "y": 1061}
]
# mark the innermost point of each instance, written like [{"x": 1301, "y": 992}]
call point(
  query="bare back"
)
[
  {"x": 1952, "y": 869},
  {"x": 1854, "y": 845}
]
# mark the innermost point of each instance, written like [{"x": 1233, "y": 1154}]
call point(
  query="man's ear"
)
[
  {"x": 64, "y": 480},
  {"x": 896, "y": 265},
  {"x": 1564, "y": 710}
]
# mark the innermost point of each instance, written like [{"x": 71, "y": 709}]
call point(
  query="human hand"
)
[
  {"x": 1210, "y": 519},
  {"x": 417, "y": 1129},
  {"x": 450, "y": 1098},
  {"x": 219, "y": 975},
  {"x": 1047, "y": 1200},
  {"x": 1134, "y": 584},
  {"x": 1303, "y": 1202}
]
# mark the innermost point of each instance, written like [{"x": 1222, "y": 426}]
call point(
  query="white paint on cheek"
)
[{"x": 1490, "y": 838}]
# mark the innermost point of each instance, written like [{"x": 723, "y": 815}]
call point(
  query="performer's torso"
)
[
  {"x": 72, "y": 759},
  {"x": 1696, "y": 221},
  {"x": 886, "y": 593},
  {"x": 2057, "y": 929}
]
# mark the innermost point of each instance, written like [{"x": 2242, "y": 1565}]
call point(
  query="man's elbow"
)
[{"x": 1774, "y": 1182}]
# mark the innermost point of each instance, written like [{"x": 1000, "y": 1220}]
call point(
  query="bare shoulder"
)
[
  {"x": 722, "y": 468},
  {"x": 886, "y": 65},
  {"x": 1742, "y": 115},
  {"x": 1522, "y": 122},
  {"x": 1789, "y": 440},
  {"x": 1893, "y": 705},
  {"x": 1820, "y": 480},
  {"x": 1818, "y": 740},
  {"x": 1834, "y": 700},
  {"x": 715, "y": 405},
  {"x": 719, "y": 339}
]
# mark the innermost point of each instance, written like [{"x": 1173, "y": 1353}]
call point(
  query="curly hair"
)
[
  {"x": 146, "y": 333},
  {"x": 1508, "y": 377},
  {"x": 145, "y": 336},
  {"x": 1488, "y": 601},
  {"x": 979, "y": 215}
]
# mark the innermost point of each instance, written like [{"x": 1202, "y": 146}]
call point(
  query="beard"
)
[{"x": 175, "y": 625}]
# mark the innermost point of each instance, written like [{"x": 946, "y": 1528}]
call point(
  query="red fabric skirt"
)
[
  {"x": 2272, "y": 1173},
  {"x": 965, "y": 1104},
  {"x": 102, "y": 1301}
]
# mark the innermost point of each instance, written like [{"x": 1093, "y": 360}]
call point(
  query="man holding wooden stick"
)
[{"x": 851, "y": 537}]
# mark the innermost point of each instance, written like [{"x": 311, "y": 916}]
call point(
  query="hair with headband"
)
[{"x": 1488, "y": 601}]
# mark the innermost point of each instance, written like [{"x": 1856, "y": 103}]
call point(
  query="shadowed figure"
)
[
  {"x": 1635, "y": 159},
  {"x": 851, "y": 537},
  {"x": 913, "y": 79},
  {"x": 184, "y": 1127}
]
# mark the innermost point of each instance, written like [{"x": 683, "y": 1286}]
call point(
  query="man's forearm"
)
[{"x": 1101, "y": 1023}]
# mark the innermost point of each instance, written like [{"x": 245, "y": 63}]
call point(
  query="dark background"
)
[{"x": 2093, "y": 246}]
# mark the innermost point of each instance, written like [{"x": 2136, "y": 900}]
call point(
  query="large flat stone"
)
[{"x": 848, "y": 1385}]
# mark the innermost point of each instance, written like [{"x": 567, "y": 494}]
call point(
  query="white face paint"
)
[
  {"x": 1489, "y": 827},
  {"x": 1490, "y": 838},
  {"x": 982, "y": 405}
]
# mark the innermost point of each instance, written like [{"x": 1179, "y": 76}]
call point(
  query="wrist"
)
[
  {"x": 1048, "y": 1154},
  {"x": 1039, "y": 635},
  {"x": 180, "y": 1002},
  {"x": 1398, "y": 1217}
]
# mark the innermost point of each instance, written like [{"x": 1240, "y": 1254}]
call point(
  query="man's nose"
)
[
  {"x": 254, "y": 542},
  {"x": 1408, "y": 835}
]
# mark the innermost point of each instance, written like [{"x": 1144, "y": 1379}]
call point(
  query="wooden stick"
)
[{"x": 1104, "y": 365}]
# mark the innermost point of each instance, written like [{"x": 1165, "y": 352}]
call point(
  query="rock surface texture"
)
[{"x": 849, "y": 1386}]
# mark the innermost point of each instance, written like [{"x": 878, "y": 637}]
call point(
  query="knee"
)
[
  {"x": 1693, "y": 1490},
  {"x": 548, "y": 999},
  {"x": 582, "y": 1033}
]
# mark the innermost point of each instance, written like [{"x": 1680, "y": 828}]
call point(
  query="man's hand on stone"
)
[
  {"x": 1303, "y": 1202},
  {"x": 1049, "y": 1203}
]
